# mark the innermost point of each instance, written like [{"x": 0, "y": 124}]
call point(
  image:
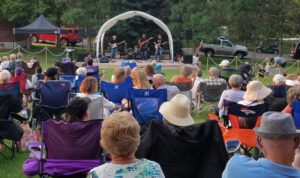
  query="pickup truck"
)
[{"x": 222, "y": 46}]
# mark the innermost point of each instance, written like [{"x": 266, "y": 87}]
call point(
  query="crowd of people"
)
[{"x": 277, "y": 136}]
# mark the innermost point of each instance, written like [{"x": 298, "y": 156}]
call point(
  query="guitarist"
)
[
  {"x": 143, "y": 44},
  {"x": 158, "y": 47},
  {"x": 114, "y": 47}
]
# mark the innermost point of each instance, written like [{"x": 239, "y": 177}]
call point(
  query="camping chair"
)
[
  {"x": 128, "y": 80},
  {"x": 114, "y": 92},
  {"x": 145, "y": 104},
  {"x": 66, "y": 149},
  {"x": 296, "y": 113},
  {"x": 196, "y": 151},
  {"x": 53, "y": 99},
  {"x": 77, "y": 83},
  {"x": 185, "y": 88},
  {"x": 68, "y": 68},
  {"x": 128, "y": 63},
  {"x": 93, "y": 71},
  {"x": 208, "y": 93},
  {"x": 70, "y": 78}
]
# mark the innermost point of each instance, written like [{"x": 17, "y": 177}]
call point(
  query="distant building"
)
[{"x": 7, "y": 39}]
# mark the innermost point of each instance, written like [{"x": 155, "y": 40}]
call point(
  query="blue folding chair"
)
[
  {"x": 128, "y": 63},
  {"x": 296, "y": 113},
  {"x": 93, "y": 71},
  {"x": 12, "y": 89},
  {"x": 128, "y": 80},
  {"x": 114, "y": 92},
  {"x": 54, "y": 97},
  {"x": 70, "y": 78},
  {"x": 77, "y": 82},
  {"x": 157, "y": 68},
  {"x": 145, "y": 104}
]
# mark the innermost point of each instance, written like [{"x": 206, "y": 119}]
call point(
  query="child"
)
[{"x": 261, "y": 71}]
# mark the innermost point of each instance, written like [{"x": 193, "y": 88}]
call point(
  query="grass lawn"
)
[{"x": 13, "y": 168}]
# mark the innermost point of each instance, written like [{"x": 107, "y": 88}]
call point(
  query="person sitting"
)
[
  {"x": 278, "y": 61},
  {"x": 184, "y": 78},
  {"x": 279, "y": 87},
  {"x": 149, "y": 70},
  {"x": 255, "y": 94},
  {"x": 81, "y": 73},
  {"x": 118, "y": 76},
  {"x": 139, "y": 79},
  {"x": 89, "y": 89},
  {"x": 293, "y": 94},
  {"x": 120, "y": 137},
  {"x": 21, "y": 77},
  {"x": 4, "y": 76},
  {"x": 51, "y": 74},
  {"x": 234, "y": 94},
  {"x": 159, "y": 83},
  {"x": 37, "y": 76},
  {"x": 291, "y": 80},
  {"x": 226, "y": 71},
  {"x": 12, "y": 62},
  {"x": 197, "y": 80},
  {"x": 277, "y": 138},
  {"x": 78, "y": 110}
]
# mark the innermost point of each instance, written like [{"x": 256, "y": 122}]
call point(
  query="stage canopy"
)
[
  {"x": 40, "y": 25},
  {"x": 111, "y": 22}
]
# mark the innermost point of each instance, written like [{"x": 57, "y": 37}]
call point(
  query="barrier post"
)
[
  {"x": 207, "y": 63},
  {"x": 298, "y": 65},
  {"x": 236, "y": 62},
  {"x": 19, "y": 49},
  {"x": 46, "y": 54}
]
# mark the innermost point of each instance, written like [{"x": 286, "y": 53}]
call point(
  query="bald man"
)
[{"x": 159, "y": 83}]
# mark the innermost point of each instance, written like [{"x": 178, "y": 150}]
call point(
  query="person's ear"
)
[
  {"x": 258, "y": 142},
  {"x": 296, "y": 141}
]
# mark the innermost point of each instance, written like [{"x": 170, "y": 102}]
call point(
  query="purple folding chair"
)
[{"x": 68, "y": 149}]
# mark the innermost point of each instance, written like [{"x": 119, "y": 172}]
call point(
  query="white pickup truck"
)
[{"x": 222, "y": 46}]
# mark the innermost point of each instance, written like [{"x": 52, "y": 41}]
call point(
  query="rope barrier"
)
[
  {"x": 56, "y": 55},
  {"x": 33, "y": 53},
  {"x": 3, "y": 53}
]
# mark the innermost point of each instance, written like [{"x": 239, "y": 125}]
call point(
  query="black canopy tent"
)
[{"x": 40, "y": 25}]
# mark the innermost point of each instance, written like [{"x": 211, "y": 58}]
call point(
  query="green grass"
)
[{"x": 13, "y": 168}]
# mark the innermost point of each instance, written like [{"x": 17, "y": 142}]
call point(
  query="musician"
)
[
  {"x": 114, "y": 47},
  {"x": 158, "y": 48},
  {"x": 143, "y": 44}
]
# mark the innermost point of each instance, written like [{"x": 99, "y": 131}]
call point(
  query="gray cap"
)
[{"x": 277, "y": 125}]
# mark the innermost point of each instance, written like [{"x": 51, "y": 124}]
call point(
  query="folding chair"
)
[
  {"x": 185, "y": 88},
  {"x": 128, "y": 63},
  {"x": 296, "y": 113},
  {"x": 128, "y": 80},
  {"x": 68, "y": 68},
  {"x": 70, "y": 78},
  {"x": 114, "y": 92},
  {"x": 93, "y": 71},
  {"x": 77, "y": 83},
  {"x": 12, "y": 89},
  {"x": 145, "y": 104},
  {"x": 196, "y": 151},
  {"x": 67, "y": 149},
  {"x": 53, "y": 98},
  {"x": 208, "y": 93}
]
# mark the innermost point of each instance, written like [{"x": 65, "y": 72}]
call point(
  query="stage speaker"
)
[
  {"x": 189, "y": 34},
  {"x": 81, "y": 56},
  {"x": 104, "y": 59},
  {"x": 188, "y": 59}
]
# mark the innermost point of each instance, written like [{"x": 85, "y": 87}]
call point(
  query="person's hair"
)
[
  {"x": 12, "y": 57},
  {"x": 198, "y": 72},
  {"x": 4, "y": 75},
  {"x": 90, "y": 62},
  {"x": 89, "y": 85},
  {"x": 186, "y": 71},
  {"x": 293, "y": 94},
  {"x": 77, "y": 109},
  {"x": 213, "y": 70},
  {"x": 120, "y": 134},
  {"x": 119, "y": 73},
  {"x": 158, "y": 79},
  {"x": 51, "y": 73},
  {"x": 127, "y": 71},
  {"x": 81, "y": 71},
  {"x": 38, "y": 70},
  {"x": 235, "y": 81},
  {"x": 4, "y": 58},
  {"x": 149, "y": 70},
  {"x": 140, "y": 80}
]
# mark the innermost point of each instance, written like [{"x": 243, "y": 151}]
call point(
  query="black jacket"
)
[{"x": 196, "y": 151}]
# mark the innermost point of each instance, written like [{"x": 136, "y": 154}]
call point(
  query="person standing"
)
[
  {"x": 114, "y": 47},
  {"x": 158, "y": 47},
  {"x": 143, "y": 44}
]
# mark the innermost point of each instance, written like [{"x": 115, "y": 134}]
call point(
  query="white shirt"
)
[
  {"x": 195, "y": 59},
  {"x": 197, "y": 81},
  {"x": 231, "y": 95}
]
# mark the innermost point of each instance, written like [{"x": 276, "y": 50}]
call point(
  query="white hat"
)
[
  {"x": 224, "y": 63},
  {"x": 177, "y": 111},
  {"x": 5, "y": 64},
  {"x": 278, "y": 78},
  {"x": 256, "y": 91}
]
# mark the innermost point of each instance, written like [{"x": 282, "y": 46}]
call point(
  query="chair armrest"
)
[{"x": 35, "y": 149}]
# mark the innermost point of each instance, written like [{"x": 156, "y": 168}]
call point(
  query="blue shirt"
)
[{"x": 240, "y": 166}]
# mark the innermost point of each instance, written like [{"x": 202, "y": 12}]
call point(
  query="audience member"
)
[
  {"x": 277, "y": 138},
  {"x": 4, "y": 76},
  {"x": 255, "y": 94},
  {"x": 226, "y": 71},
  {"x": 278, "y": 87},
  {"x": 89, "y": 89},
  {"x": 12, "y": 60},
  {"x": 149, "y": 70},
  {"x": 118, "y": 76},
  {"x": 197, "y": 80},
  {"x": 159, "y": 83},
  {"x": 78, "y": 110},
  {"x": 234, "y": 94},
  {"x": 139, "y": 79},
  {"x": 184, "y": 77},
  {"x": 291, "y": 80},
  {"x": 81, "y": 73},
  {"x": 120, "y": 137},
  {"x": 51, "y": 74},
  {"x": 21, "y": 77},
  {"x": 37, "y": 76},
  {"x": 293, "y": 94}
]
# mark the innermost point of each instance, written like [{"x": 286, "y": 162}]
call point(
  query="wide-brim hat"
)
[
  {"x": 256, "y": 91},
  {"x": 177, "y": 111},
  {"x": 277, "y": 125},
  {"x": 224, "y": 63}
]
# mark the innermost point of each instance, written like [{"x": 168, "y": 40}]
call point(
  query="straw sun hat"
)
[
  {"x": 177, "y": 111},
  {"x": 224, "y": 63},
  {"x": 256, "y": 91}
]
